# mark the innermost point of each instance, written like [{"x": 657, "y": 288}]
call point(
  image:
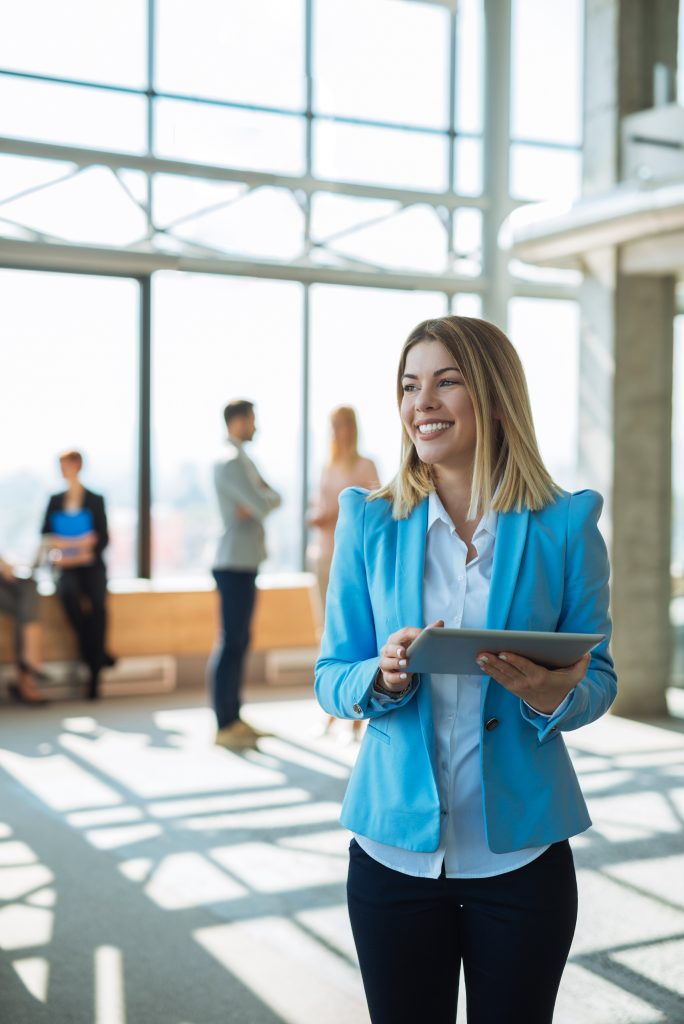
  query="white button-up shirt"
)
[{"x": 456, "y": 591}]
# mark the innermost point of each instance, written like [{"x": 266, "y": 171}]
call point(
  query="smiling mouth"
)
[{"x": 430, "y": 430}]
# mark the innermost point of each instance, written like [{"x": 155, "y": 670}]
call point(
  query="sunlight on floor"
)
[
  {"x": 290, "y": 972},
  {"x": 241, "y": 858},
  {"x": 110, "y": 1001}
]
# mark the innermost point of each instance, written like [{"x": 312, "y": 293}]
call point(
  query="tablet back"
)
[{"x": 454, "y": 651}]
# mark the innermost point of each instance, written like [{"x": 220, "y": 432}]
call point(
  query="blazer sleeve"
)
[
  {"x": 97, "y": 507},
  {"x": 52, "y": 504},
  {"x": 233, "y": 484},
  {"x": 349, "y": 657},
  {"x": 584, "y": 610}
]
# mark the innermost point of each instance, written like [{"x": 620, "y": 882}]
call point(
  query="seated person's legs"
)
[{"x": 19, "y": 599}]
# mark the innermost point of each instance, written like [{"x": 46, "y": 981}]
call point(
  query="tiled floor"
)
[{"x": 147, "y": 877}]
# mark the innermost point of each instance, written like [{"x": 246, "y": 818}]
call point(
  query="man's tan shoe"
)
[{"x": 238, "y": 735}]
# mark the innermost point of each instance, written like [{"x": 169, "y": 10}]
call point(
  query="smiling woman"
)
[{"x": 463, "y": 797}]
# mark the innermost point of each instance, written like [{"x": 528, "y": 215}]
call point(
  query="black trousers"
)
[
  {"x": 237, "y": 591},
  {"x": 512, "y": 932},
  {"x": 83, "y": 592}
]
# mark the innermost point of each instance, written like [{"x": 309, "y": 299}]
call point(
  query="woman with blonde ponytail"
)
[
  {"x": 345, "y": 468},
  {"x": 463, "y": 796}
]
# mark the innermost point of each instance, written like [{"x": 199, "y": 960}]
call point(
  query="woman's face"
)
[
  {"x": 343, "y": 430},
  {"x": 436, "y": 408},
  {"x": 70, "y": 468}
]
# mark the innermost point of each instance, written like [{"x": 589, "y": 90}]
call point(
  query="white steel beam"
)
[
  {"x": 83, "y": 157},
  {"x": 107, "y": 260}
]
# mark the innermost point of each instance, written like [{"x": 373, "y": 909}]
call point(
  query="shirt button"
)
[
  {"x": 444, "y": 813},
  {"x": 357, "y": 709},
  {"x": 460, "y": 577},
  {"x": 491, "y": 724}
]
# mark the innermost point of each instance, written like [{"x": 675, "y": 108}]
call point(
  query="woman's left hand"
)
[{"x": 542, "y": 688}]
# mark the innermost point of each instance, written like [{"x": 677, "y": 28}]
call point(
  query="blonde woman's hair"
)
[
  {"x": 337, "y": 453},
  {"x": 508, "y": 472}
]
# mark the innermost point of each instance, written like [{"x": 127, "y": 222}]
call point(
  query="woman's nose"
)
[{"x": 426, "y": 400}]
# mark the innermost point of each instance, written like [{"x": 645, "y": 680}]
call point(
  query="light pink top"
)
[{"x": 334, "y": 478}]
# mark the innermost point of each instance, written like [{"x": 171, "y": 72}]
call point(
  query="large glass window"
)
[
  {"x": 234, "y": 138},
  {"x": 215, "y": 339},
  {"x": 546, "y": 100},
  {"x": 72, "y": 115},
  {"x": 68, "y": 354},
  {"x": 546, "y": 334},
  {"x": 265, "y": 222},
  {"x": 380, "y": 232},
  {"x": 90, "y": 206},
  {"x": 469, "y": 65},
  {"x": 546, "y": 53},
  {"x": 231, "y": 84},
  {"x": 245, "y": 51},
  {"x": 540, "y": 173},
  {"x": 381, "y": 156},
  {"x": 77, "y": 39},
  {"x": 384, "y": 61}
]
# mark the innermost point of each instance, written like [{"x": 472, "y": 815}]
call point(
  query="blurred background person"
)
[
  {"x": 244, "y": 499},
  {"x": 19, "y": 600},
  {"x": 75, "y": 533},
  {"x": 345, "y": 468}
]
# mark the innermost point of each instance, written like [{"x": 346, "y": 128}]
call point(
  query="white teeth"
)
[{"x": 430, "y": 428}]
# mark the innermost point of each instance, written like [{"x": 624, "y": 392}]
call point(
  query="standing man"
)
[{"x": 244, "y": 501}]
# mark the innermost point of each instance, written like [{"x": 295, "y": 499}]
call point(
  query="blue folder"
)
[{"x": 72, "y": 524}]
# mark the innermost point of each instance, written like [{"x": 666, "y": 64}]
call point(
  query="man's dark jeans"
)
[{"x": 237, "y": 590}]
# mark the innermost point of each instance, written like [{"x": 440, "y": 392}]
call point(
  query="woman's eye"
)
[
  {"x": 409, "y": 387},
  {"x": 447, "y": 381}
]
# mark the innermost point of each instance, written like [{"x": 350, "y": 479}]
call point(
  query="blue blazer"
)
[{"x": 550, "y": 572}]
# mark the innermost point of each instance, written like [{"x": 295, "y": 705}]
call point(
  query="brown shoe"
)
[{"x": 238, "y": 735}]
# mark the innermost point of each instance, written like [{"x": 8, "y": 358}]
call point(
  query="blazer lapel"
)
[
  {"x": 410, "y": 564},
  {"x": 511, "y": 533},
  {"x": 410, "y": 567}
]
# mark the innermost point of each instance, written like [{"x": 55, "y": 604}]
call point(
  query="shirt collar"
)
[{"x": 437, "y": 512}]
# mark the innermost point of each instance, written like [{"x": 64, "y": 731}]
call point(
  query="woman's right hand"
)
[
  {"x": 393, "y": 661},
  {"x": 6, "y": 571}
]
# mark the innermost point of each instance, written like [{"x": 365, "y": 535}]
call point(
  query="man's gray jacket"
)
[{"x": 238, "y": 485}]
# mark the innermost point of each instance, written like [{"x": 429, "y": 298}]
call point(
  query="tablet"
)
[{"x": 453, "y": 651}]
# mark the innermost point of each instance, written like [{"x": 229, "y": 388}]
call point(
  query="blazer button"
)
[
  {"x": 491, "y": 724},
  {"x": 357, "y": 709}
]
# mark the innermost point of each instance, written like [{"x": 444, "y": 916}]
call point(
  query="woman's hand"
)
[
  {"x": 393, "y": 660},
  {"x": 542, "y": 688},
  {"x": 6, "y": 571},
  {"x": 73, "y": 561}
]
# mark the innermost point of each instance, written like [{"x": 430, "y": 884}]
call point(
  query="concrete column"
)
[
  {"x": 626, "y": 357},
  {"x": 642, "y": 469}
]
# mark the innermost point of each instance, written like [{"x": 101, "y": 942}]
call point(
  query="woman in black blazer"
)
[{"x": 75, "y": 528}]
